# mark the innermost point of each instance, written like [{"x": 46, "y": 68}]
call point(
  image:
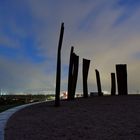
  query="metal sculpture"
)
[
  {"x": 58, "y": 73},
  {"x": 121, "y": 71},
  {"x": 98, "y": 83},
  {"x": 113, "y": 84},
  {"x": 73, "y": 74},
  {"x": 86, "y": 64}
]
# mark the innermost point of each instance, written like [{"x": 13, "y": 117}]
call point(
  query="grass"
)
[
  {"x": 6, "y": 107},
  {"x": 10, "y": 101}
]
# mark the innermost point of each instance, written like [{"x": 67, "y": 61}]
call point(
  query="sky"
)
[{"x": 105, "y": 31}]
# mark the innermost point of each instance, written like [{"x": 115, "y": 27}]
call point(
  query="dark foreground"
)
[{"x": 95, "y": 118}]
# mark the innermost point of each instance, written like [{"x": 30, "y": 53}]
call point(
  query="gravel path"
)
[{"x": 95, "y": 118}]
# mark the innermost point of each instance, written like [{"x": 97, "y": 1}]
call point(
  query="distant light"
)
[{"x": 106, "y": 92}]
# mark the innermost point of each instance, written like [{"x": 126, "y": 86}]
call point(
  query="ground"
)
[{"x": 101, "y": 118}]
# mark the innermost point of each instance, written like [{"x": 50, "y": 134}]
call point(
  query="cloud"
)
[
  {"x": 104, "y": 31},
  {"x": 20, "y": 76},
  {"x": 8, "y": 42}
]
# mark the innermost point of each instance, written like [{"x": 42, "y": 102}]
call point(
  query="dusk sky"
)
[{"x": 105, "y": 31}]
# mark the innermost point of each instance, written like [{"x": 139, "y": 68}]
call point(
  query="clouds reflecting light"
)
[{"x": 104, "y": 31}]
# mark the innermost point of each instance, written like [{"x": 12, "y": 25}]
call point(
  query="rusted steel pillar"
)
[
  {"x": 73, "y": 74},
  {"x": 98, "y": 83},
  {"x": 121, "y": 71},
  {"x": 113, "y": 84},
  {"x": 70, "y": 76},
  {"x": 58, "y": 73},
  {"x": 86, "y": 64}
]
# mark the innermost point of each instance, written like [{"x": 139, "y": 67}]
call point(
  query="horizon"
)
[
  {"x": 104, "y": 31},
  {"x": 48, "y": 92}
]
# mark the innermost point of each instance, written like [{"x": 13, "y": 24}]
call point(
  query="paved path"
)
[{"x": 4, "y": 116}]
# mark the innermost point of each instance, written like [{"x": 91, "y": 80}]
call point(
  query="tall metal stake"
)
[
  {"x": 75, "y": 74},
  {"x": 121, "y": 71},
  {"x": 58, "y": 73},
  {"x": 100, "y": 93},
  {"x": 113, "y": 84},
  {"x": 86, "y": 64},
  {"x": 70, "y": 76}
]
